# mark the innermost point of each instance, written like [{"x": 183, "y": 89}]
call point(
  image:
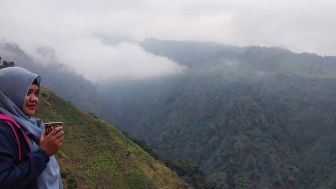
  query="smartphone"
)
[{"x": 51, "y": 126}]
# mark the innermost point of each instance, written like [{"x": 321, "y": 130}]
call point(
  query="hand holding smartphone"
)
[
  {"x": 51, "y": 126},
  {"x": 52, "y": 143}
]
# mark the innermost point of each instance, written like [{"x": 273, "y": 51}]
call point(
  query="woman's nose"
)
[{"x": 34, "y": 98}]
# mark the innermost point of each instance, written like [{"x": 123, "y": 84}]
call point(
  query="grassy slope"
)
[{"x": 96, "y": 155}]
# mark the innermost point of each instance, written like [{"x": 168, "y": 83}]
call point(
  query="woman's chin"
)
[{"x": 29, "y": 112}]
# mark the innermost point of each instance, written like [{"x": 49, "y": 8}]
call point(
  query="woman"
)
[{"x": 26, "y": 153}]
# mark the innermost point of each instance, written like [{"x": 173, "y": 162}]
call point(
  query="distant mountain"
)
[
  {"x": 200, "y": 55},
  {"x": 96, "y": 155},
  {"x": 249, "y": 117},
  {"x": 192, "y": 53}
]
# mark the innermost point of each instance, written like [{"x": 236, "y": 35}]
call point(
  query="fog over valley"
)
[
  {"x": 229, "y": 94},
  {"x": 108, "y": 32}
]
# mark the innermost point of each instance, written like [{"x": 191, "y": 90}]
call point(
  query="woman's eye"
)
[{"x": 37, "y": 93}]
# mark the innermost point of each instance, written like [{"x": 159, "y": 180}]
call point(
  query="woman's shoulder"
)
[
  {"x": 7, "y": 135},
  {"x": 4, "y": 127}
]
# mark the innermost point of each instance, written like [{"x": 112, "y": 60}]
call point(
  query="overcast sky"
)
[{"x": 73, "y": 28}]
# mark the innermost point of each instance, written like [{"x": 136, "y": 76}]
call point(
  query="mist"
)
[{"x": 73, "y": 30}]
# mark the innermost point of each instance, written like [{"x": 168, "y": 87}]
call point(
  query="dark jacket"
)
[{"x": 15, "y": 173}]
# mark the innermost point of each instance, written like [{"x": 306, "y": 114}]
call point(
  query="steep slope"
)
[{"x": 96, "y": 155}]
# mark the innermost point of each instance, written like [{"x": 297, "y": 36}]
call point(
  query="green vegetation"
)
[
  {"x": 186, "y": 169},
  {"x": 247, "y": 117},
  {"x": 96, "y": 155}
]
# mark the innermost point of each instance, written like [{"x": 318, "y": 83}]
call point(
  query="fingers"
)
[
  {"x": 55, "y": 131},
  {"x": 59, "y": 135},
  {"x": 56, "y": 135},
  {"x": 52, "y": 142}
]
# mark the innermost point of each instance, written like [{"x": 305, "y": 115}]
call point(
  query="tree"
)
[{"x": 5, "y": 64}]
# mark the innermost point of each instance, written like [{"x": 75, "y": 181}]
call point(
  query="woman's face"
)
[{"x": 31, "y": 100}]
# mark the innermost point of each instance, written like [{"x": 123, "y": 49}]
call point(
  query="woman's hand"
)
[{"x": 52, "y": 142}]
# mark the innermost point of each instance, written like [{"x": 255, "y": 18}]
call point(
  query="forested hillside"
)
[{"x": 249, "y": 117}]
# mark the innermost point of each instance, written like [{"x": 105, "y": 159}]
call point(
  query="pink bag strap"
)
[
  {"x": 6, "y": 117},
  {"x": 12, "y": 124}
]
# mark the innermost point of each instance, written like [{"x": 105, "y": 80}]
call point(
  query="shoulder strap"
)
[
  {"x": 13, "y": 124},
  {"x": 6, "y": 117}
]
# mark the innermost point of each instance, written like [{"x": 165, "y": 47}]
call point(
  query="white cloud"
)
[
  {"x": 70, "y": 27},
  {"x": 125, "y": 60}
]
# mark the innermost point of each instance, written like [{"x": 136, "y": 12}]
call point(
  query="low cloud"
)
[
  {"x": 74, "y": 28},
  {"x": 125, "y": 60}
]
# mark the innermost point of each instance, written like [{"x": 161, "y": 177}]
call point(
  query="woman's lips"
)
[{"x": 31, "y": 107}]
